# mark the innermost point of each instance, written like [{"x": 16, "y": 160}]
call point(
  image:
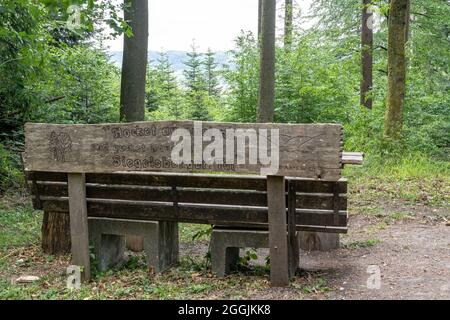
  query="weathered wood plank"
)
[
  {"x": 189, "y": 195},
  {"x": 324, "y": 229},
  {"x": 191, "y": 213},
  {"x": 317, "y": 186},
  {"x": 278, "y": 241},
  {"x": 305, "y": 150},
  {"x": 356, "y": 158},
  {"x": 292, "y": 232},
  {"x": 188, "y": 180},
  {"x": 79, "y": 224}
]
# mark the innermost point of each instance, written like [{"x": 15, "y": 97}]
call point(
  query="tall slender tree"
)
[
  {"x": 165, "y": 75},
  {"x": 366, "y": 55},
  {"x": 397, "y": 30},
  {"x": 195, "y": 85},
  {"x": 134, "y": 67},
  {"x": 288, "y": 23},
  {"x": 266, "y": 98},
  {"x": 260, "y": 5},
  {"x": 162, "y": 84},
  {"x": 211, "y": 74},
  {"x": 134, "y": 62}
]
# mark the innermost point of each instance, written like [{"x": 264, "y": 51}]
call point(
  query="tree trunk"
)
[
  {"x": 366, "y": 55},
  {"x": 408, "y": 14},
  {"x": 260, "y": 4},
  {"x": 266, "y": 99},
  {"x": 288, "y": 24},
  {"x": 398, "y": 16},
  {"x": 134, "y": 63},
  {"x": 134, "y": 66},
  {"x": 56, "y": 233}
]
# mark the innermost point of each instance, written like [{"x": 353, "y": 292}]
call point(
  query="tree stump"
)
[
  {"x": 318, "y": 241},
  {"x": 56, "y": 233},
  {"x": 135, "y": 243}
]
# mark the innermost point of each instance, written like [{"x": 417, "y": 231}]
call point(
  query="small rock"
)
[{"x": 26, "y": 279}]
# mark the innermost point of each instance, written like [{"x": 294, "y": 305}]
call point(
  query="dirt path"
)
[
  {"x": 409, "y": 245},
  {"x": 413, "y": 259}
]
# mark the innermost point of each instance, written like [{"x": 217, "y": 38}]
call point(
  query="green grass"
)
[
  {"x": 19, "y": 223},
  {"x": 412, "y": 179},
  {"x": 362, "y": 244},
  {"x": 318, "y": 286},
  {"x": 192, "y": 232}
]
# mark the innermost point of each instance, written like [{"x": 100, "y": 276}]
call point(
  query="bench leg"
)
[
  {"x": 278, "y": 240},
  {"x": 294, "y": 254},
  {"x": 109, "y": 251},
  {"x": 161, "y": 247},
  {"x": 293, "y": 248},
  {"x": 222, "y": 257},
  {"x": 79, "y": 223}
]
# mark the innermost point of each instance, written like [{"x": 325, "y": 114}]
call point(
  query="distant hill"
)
[{"x": 176, "y": 58}]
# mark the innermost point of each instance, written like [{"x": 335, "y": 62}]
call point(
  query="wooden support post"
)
[
  {"x": 79, "y": 223},
  {"x": 292, "y": 232},
  {"x": 278, "y": 244}
]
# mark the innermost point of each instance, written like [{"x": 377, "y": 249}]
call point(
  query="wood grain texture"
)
[
  {"x": 190, "y": 195},
  {"x": 293, "y": 247},
  {"x": 232, "y": 199},
  {"x": 78, "y": 224},
  {"x": 305, "y": 150},
  {"x": 193, "y": 180},
  {"x": 278, "y": 240},
  {"x": 193, "y": 213},
  {"x": 355, "y": 158}
]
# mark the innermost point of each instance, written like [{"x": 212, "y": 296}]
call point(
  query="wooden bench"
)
[
  {"x": 225, "y": 200},
  {"x": 76, "y": 169}
]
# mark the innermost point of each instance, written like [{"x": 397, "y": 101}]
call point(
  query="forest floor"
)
[{"x": 401, "y": 227}]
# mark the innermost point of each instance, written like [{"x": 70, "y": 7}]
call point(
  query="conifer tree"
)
[
  {"x": 211, "y": 75},
  {"x": 195, "y": 83},
  {"x": 163, "y": 92}
]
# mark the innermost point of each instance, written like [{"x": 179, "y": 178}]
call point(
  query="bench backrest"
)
[
  {"x": 299, "y": 150},
  {"x": 234, "y": 200}
]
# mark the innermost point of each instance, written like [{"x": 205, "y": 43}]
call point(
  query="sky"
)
[{"x": 173, "y": 24}]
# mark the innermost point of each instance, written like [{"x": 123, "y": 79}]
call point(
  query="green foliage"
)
[
  {"x": 244, "y": 262},
  {"x": 319, "y": 286},
  {"x": 196, "y": 86},
  {"x": 212, "y": 75},
  {"x": 164, "y": 98},
  {"x": 204, "y": 233},
  {"x": 22, "y": 55},
  {"x": 80, "y": 86},
  {"x": 362, "y": 244},
  {"x": 10, "y": 175},
  {"x": 243, "y": 79},
  {"x": 37, "y": 46},
  {"x": 19, "y": 224},
  {"x": 49, "y": 73}
]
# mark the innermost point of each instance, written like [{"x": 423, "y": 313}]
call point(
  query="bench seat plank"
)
[
  {"x": 190, "y": 195},
  {"x": 191, "y": 213},
  {"x": 189, "y": 180}
]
